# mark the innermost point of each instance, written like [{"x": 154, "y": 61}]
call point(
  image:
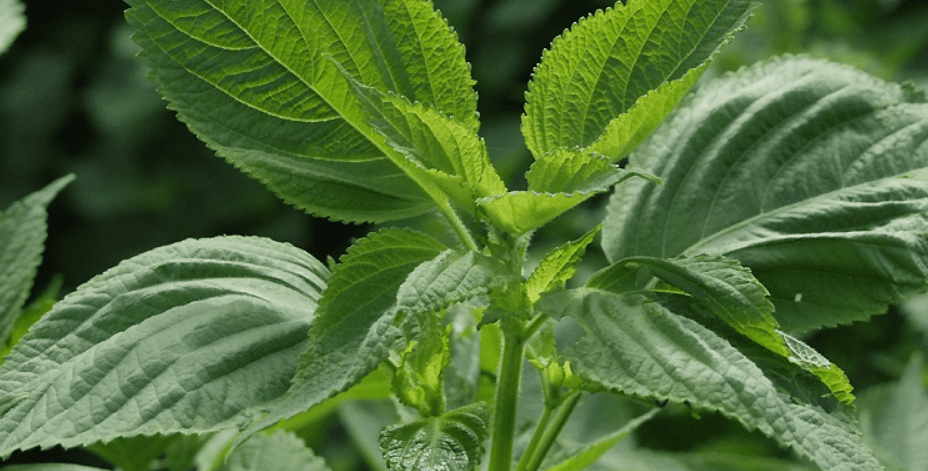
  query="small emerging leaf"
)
[
  {"x": 450, "y": 442},
  {"x": 558, "y": 266}
]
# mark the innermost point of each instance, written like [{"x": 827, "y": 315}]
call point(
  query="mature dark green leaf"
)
[
  {"x": 642, "y": 349},
  {"x": 12, "y": 22},
  {"x": 191, "y": 337},
  {"x": 22, "y": 240},
  {"x": 610, "y": 80},
  {"x": 895, "y": 419},
  {"x": 812, "y": 174},
  {"x": 280, "y": 451},
  {"x": 259, "y": 82},
  {"x": 450, "y": 442},
  {"x": 354, "y": 325}
]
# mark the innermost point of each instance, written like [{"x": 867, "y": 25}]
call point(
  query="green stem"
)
[
  {"x": 551, "y": 432},
  {"x": 507, "y": 395},
  {"x": 536, "y": 438}
]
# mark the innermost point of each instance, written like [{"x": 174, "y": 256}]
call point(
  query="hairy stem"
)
[
  {"x": 550, "y": 433},
  {"x": 507, "y": 395}
]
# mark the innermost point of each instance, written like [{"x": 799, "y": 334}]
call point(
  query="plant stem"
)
[
  {"x": 536, "y": 438},
  {"x": 507, "y": 395},
  {"x": 551, "y": 432}
]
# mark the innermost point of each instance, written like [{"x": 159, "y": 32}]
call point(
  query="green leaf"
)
[
  {"x": 557, "y": 182},
  {"x": 812, "y": 174},
  {"x": 895, "y": 419},
  {"x": 12, "y": 22},
  {"x": 642, "y": 349},
  {"x": 49, "y": 467},
  {"x": 22, "y": 240},
  {"x": 558, "y": 266},
  {"x": 191, "y": 337},
  {"x": 445, "y": 151},
  {"x": 258, "y": 82},
  {"x": 581, "y": 459},
  {"x": 598, "y": 71},
  {"x": 644, "y": 459},
  {"x": 280, "y": 451},
  {"x": 354, "y": 324},
  {"x": 450, "y": 442},
  {"x": 418, "y": 381},
  {"x": 134, "y": 453}
]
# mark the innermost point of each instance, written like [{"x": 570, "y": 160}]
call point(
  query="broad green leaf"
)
[
  {"x": 191, "y": 337},
  {"x": 257, "y": 81},
  {"x": 450, "y": 442},
  {"x": 812, "y": 174},
  {"x": 650, "y": 51},
  {"x": 31, "y": 314},
  {"x": 726, "y": 288},
  {"x": 280, "y": 451},
  {"x": 895, "y": 420},
  {"x": 558, "y": 266},
  {"x": 519, "y": 212},
  {"x": 134, "y": 453},
  {"x": 354, "y": 325},
  {"x": 436, "y": 144},
  {"x": 651, "y": 460},
  {"x": 641, "y": 349},
  {"x": 12, "y": 22},
  {"x": 22, "y": 240}
]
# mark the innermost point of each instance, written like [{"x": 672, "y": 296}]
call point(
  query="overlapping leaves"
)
[
  {"x": 261, "y": 82},
  {"x": 191, "y": 337},
  {"x": 812, "y": 174},
  {"x": 642, "y": 349}
]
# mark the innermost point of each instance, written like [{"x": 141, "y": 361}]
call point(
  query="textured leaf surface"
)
[
  {"x": 258, "y": 82},
  {"x": 280, "y": 451},
  {"x": 643, "y": 459},
  {"x": 450, "y": 442},
  {"x": 12, "y": 22},
  {"x": 895, "y": 419},
  {"x": 642, "y": 349},
  {"x": 812, "y": 174},
  {"x": 354, "y": 327},
  {"x": 558, "y": 266},
  {"x": 597, "y": 71},
  {"x": 22, "y": 240},
  {"x": 191, "y": 337}
]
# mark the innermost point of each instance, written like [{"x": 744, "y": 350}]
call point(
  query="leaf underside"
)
[
  {"x": 191, "y": 337},
  {"x": 812, "y": 174}
]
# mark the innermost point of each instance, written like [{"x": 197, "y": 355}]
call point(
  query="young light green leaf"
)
[
  {"x": 812, "y": 174},
  {"x": 191, "y": 337},
  {"x": 12, "y": 22},
  {"x": 22, "y": 240},
  {"x": 280, "y": 451},
  {"x": 418, "y": 379},
  {"x": 450, "y": 442},
  {"x": 557, "y": 182},
  {"x": 641, "y": 349},
  {"x": 433, "y": 142},
  {"x": 895, "y": 419},
  {"x": 354, "y": 324},
  {"x": 597, "y": 71},
  {"x": 257, "y": 81},
  {"x": 558, "y": 266}
]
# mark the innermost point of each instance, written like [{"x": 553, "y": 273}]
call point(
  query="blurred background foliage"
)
[{"x": 74, "y": 99}]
